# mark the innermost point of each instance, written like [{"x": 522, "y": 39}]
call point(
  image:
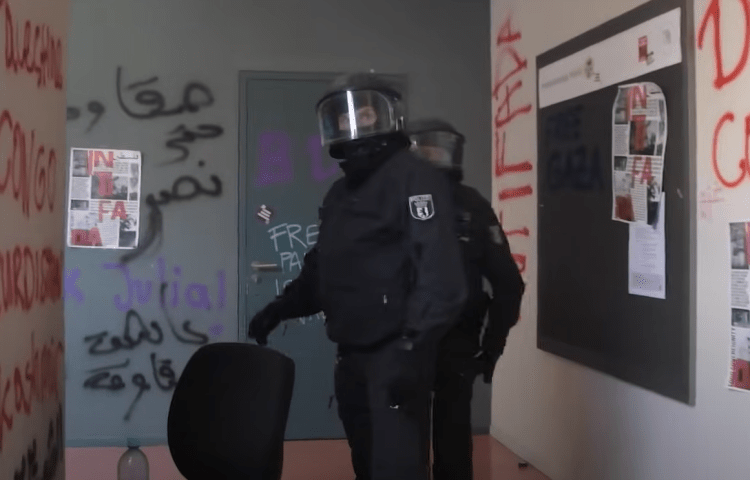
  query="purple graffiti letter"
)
[
  {"x": 143, "y": 291},
  {"x": 319, "y": 172},
  {"x": 71, "y": 285},
  {"x": 274, "y": 163},
  {"x": 222, "y": 289},
  {"x": 196, "y": 295},
  {"x": 122, "y": 306}
]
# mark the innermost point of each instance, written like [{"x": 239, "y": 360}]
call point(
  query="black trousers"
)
[
  {"x": 451, "y": 408},
  {"x": 387, "y": 441}
]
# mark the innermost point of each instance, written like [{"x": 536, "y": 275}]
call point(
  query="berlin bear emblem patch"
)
[{"x": 421, "y": 207}]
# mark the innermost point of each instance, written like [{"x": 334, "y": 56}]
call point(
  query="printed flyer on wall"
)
[
  {"x": 647, "y": 258},
  {"x": 639, "y": 138},
  {"x": 104, "y": 198},
  {"x": 739, "y": 367}
]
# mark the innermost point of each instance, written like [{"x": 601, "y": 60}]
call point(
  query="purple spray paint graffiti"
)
[
  {"x": 194, "y": 295},
  {"x": 71, "y": 284},
  {"x": 319, "y": 172},
  {"x": 274, "y": 163}
]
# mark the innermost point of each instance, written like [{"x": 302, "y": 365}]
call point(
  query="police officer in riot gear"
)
[
  {"x": 387, "y": 272},
  {"x": 465, "y": 352}
]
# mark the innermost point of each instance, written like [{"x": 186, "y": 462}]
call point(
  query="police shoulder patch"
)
[
  {"x": 421, "y": 207},
  {"x": 496, "y": 234}
]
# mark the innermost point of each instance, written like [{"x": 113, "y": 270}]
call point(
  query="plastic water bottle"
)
[{"x": 133, "y": 464}]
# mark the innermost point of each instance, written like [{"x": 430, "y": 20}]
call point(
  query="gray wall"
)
[{"x": 442, "y": 45}]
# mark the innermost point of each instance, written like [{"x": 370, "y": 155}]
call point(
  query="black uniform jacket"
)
[
  {"x": 387, "y": 261},
  {"x": 487, "y": 255}
]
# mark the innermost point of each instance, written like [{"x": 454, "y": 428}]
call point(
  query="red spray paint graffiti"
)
[
  {"x": 712, "y": 18},
  {"x": 29, "y": 277},
  {"x": 30, "y": 169},
  {"x": 39, "y": 54},
  {"x": 37, "y": 379},
  {"x": 503, "y": 91}
]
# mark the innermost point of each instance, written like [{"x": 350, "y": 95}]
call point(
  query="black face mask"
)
[{"x": 363, "y": 156}]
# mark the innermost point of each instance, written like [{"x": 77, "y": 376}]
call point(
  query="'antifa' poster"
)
[
  {"x": 639, "y": 137},
  {"x": 739, "y": 281},
  {"x": 104, "y": 198}
]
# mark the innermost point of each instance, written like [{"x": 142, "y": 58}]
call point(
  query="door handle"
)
[{"x": 265, "y": 266}]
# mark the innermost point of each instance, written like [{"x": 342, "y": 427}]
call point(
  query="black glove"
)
[{"x": 264, "y": 322}]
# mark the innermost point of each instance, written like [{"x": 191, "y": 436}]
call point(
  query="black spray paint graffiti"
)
[
  {"x": 195, "y": 96},
  {"x": 94, "y": 107},
  {"x": 164, "y": 375},
  {"x": 154, "y": 336},
  {"x": 184, "y": 188},
  {"x": 104, "y": 378},
  {"x": 55, "y": 447},
  {"x": 186, "y": 136},
  {"x": 570, "y": 162}
]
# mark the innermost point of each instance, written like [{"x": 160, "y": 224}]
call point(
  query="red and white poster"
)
[
  {"x": 104, "y": 198},
  {"x": 639, "y": 138},
  {"x": 739, "y": 363}
]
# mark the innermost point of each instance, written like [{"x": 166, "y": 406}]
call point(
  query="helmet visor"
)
[
  {"x": 349, "y": 115},
  {"x": 437, "y": 147}
]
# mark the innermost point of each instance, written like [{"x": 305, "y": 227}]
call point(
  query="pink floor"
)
[{"x": 325, "y": 460}]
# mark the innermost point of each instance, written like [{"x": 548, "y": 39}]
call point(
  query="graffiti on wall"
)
[
  {"x": 31, "y": 381},
  {"x": 730, "y": 173},
  {"x": 32, "y": 79},
  {"x": 139, "y": 336},
  {"x": 34, "y": 466},
  {"x": 275, "y": 159},
  {"x": 511, "y": 104}
]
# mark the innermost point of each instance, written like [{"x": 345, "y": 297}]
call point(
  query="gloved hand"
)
[{"x": 264, "y": 322}]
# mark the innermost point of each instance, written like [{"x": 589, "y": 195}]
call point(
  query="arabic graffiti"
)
[
  {"x": 184, "y": 188},
  {"x": 186, "y": 136},
  {"x": 94, "y": 107},
  {"x": 107, "y": 378},
  {"x": 153, "y": 335},
  {"x": 126, "y": 342},
  {"x": 194, "y": 97},
  {"x": 195, "y": 295},
  {"x": 135, "y": 332},
  {"x": 55, "y": 449}
]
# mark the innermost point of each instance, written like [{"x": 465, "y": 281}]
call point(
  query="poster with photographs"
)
[
  {"x": 739, "y": 363},
  {"x": 104, "y": 194},
  {"x": 639, "y": 138}
]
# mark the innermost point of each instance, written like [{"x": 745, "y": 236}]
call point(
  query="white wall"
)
[
  {"x": 32, "y": 136},
  {"x": 572, "y": 422}
]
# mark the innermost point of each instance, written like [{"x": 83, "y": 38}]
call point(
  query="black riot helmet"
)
[
  {"x": 439, "y": 142},
  {"x": 356, "y": 107}
]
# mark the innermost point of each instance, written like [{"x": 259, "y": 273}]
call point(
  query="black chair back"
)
[{"x": 229, "y": 411}]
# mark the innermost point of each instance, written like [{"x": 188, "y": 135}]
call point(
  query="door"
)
[{"x": 285, "y": 174}]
